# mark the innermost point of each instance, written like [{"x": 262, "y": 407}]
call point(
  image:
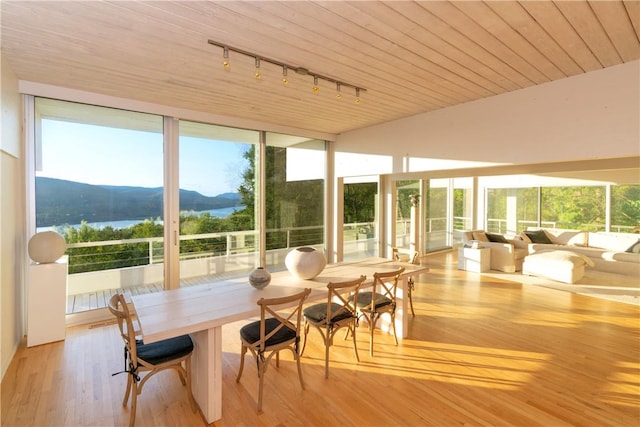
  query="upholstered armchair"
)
[{"x": 506, "y": 254}]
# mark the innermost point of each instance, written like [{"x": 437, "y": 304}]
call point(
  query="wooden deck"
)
[{"x": 100, "y": 299}]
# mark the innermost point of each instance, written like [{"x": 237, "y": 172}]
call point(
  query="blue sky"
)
[{"x": 103, "y": 155}]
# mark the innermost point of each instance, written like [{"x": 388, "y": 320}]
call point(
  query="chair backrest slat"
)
[
  {"x": 119, "y": 308},
  {"x": 337, "y": 293},
  {"x": 385, "y": 284},
  {"x": 270, "y": 308}
]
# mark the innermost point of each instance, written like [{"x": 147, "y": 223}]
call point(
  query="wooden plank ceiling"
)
[{"x": 411, "y": 57}]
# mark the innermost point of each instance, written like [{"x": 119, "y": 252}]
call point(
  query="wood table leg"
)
[
  {"x": 402, "y": 319},
  {"x": 207, "y": 372}
]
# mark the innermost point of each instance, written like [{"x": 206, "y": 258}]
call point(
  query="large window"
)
[
  {"x": 625, "y": 208},
  {"x": 574, "y": 207},
  {"x": 99, "y": 182},
  {"x": 217, "y": 210},
  {"x": 511, "y": 210},
  {"x": 590, "y": 208},
  {"x": 295, "y": 187},
  {"x": 437, "y": 215},
  {"x": 404, "y": 192},
  {"x": 360, "y": 222},
  {"x": 463, "y": 204},
  {"x": 147, "y": 202}
]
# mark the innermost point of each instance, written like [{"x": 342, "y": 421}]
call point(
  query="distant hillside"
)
[{"x": 67, "y": 202}]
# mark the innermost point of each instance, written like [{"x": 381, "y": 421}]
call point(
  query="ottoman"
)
[{"x": 563, "y": 266}]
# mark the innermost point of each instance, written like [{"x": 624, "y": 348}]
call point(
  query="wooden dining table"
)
[{"x": 202, "y": 310}]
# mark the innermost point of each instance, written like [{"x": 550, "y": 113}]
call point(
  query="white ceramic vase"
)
[
  {"x": 46, "y": 247},
  {"x": 259, "y": 278},
  {"x": 305, "y": 262}
]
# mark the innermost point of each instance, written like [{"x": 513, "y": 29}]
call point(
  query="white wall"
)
[
  {"x": 12, "y": 220},
  {"x": 590, "y": 116}
]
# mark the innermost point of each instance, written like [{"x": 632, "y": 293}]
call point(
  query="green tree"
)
[
  {"x": 360, "y": 202},
  {"x": 580, "y": 207},
  {"x": 403, "y": 197},
  {"x": 288, "y": 204},
  {"x": 625, "y": 206}
]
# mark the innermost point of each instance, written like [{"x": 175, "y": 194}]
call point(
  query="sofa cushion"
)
[
  {"x": 564, "y": 256},
  {"x": 496, "y": 238},
  {"x": 524, "y": 238},
  {"x": 634, "y": 249},
  {"x": 480, "y": 236},
  {"x": 567, "y": 237},
  {"x": 563, "y": 266},
  {"x": 620, "y": 256},
  {"x": 538, "y": 236},
  {"x": 611, "y": 241}
]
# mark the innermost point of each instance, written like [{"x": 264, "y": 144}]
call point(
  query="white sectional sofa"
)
[{"x": 610, "y": 252}]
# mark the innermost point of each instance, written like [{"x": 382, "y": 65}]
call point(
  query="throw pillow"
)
[
  {"x": 538, "y": 236},
  {"x": 496, "y": 238},
  {"x": 635, "y": 248},
  {"x": 480, "y": 236}
]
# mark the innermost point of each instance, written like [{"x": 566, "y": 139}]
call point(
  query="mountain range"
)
[{"x": 61, "y": 202}]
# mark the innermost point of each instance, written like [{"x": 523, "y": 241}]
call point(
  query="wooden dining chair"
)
[
  {"x": 380, "y": 300},
  {"x": 276, "y": 330},
  {"x": 142, "y": 361},
  {"x": 338, "y": 312},
  {"x": 410, "y": 283}
]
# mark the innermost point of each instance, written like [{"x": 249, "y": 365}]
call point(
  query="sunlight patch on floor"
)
[
  {"x": 623, "y": 385},
  {"x": 545, "y": 318},
  {"x": 457, "y": 364}
]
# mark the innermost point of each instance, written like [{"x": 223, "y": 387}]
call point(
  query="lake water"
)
[{"x": 218, "y": 213}]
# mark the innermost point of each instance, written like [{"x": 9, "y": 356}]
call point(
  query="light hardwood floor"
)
[{"x": 480, "y": 351}]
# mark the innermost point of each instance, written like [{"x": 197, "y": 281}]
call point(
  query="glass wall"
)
[
  {"x": 361, "y": 225},
  {"x": 625, "y": 208},
  {"x": 437, "y": 215},
  {"x": 511, "y": 210},
  {"x": 590, "y": 208},
  {"x": 463, "y": 205},
  {"x": 404, "y": 191},
  {"x": 217, "y": 210},
  {"x": 99, "y": 182},
  {"x": 574, "y": 207},
  {"x": 295, "y": 176},
  {"x": 102, "y": 177}
]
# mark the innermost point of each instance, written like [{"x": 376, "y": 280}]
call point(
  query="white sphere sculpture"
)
[
  {"x": 46, "y": 247},
  {"x": 305, "y": 262}
]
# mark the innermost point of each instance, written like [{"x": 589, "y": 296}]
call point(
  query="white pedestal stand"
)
[
  {"x": 414, "y": 228},
  {"x": 477, "y": 260},
  {"x": 46, "y": 302}
]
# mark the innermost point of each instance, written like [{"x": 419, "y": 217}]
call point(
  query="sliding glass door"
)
[
  {"x": 405, "y": 194},
  {"x": 437, "y": 215},
  {"x": 147, "y": 202},
  {"x": 98, "y": 177},
  {"x": 295, "y": 178},
  {"x": 361, "y": 234},
  {"x": 218, "y": 235}
]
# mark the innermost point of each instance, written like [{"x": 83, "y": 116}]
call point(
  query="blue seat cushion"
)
[
  {"x": 364, "y": 300},
  {"x": 165, "y": 350},
  {"x": 251, "y": 332},
  {"x": 318, "y": 313}
]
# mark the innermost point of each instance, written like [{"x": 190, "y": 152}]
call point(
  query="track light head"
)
[{"x": 225, "y": 59}]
